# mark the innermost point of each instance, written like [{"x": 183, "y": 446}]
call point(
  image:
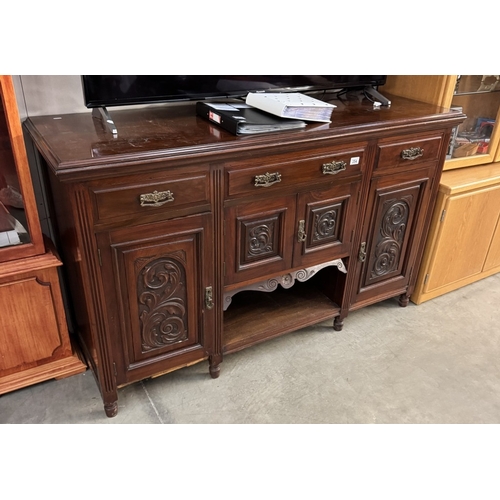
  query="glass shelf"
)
[{"x": 477, "y": 84}]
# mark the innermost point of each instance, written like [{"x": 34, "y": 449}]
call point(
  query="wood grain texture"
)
[
  {"x": 463, "y": 239},
  {"x": 34, "y": 338},
  {"x": 133, "y": 273}
]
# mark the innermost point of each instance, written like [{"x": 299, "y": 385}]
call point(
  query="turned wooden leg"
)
[
  {"x": 338, "y": 323},
  {"x": 214, "y": 365},
  {"x": 111, "y": 409},
  {"x": 110, "y": 400},
  {"x": 404, "y": 299}
]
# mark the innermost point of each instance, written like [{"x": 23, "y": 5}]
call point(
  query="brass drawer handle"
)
[
  {"x": 412, "y": 153},
  {"x": 301, "y": 234},
  {"x": 267, "y": 179},
  {"x": 156, "y": 198},
  {"x": 334, "y": 167}
]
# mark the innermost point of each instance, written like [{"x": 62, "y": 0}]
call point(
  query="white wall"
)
[{"x": 49, "y": 94}]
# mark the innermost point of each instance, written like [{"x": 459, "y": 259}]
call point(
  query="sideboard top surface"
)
[{"x": 72, "y": 143}]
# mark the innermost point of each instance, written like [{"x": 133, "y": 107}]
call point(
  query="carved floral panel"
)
[{"x": 162, "y": 302}]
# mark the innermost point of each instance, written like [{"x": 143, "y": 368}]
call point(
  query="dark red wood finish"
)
[{"x": 148, "y": 281}]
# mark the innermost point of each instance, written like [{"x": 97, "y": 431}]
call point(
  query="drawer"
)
[
  {"x": 123, "y": 199},
  {"x": 273, "y": 173},
  {"x": 408, "y": 151}
]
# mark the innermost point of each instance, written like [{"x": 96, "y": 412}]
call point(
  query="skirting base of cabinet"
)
[
  {"x": 419, "y": 298},
  {"x": 53, "y": 370}
]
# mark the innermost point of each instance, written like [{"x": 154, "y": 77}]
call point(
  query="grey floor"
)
[{"x": 432, "y": 363}]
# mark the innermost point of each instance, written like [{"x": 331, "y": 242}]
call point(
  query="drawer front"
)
[
  {"x": 275, "y": 173},
  {"x": 407, "y": 152},
  {"x": 155, "y": 195}
]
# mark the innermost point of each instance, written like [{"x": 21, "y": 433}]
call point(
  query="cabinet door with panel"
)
[
  {"x": 397, "y": 217},
  {"x": 465, "y": 242},
  {"x": 258, "y": 238},
  {"x": 325, "y": 224},
  {"x": 465, "y": 216},
  {"x": 272, "y": 235},
  {"x": 158, "y": 279},
  {"x": 492, "y": 263},
  {"x": 391, "y": 237}
]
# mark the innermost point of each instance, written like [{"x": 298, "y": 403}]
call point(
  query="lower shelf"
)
[{"x": 257, "y": 316}]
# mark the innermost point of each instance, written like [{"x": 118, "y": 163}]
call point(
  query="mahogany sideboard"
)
[{"x": 182, "y": 242}]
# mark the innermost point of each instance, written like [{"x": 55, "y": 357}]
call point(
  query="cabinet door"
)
[
  {"x": 392, "y": 232},
  {"x": 325, "y": 224},
  {"x": 465, "y": 233},
  {"x": 493, "y": 259},
  {"x": 259, "y": 238},
  {"x": 158, "y": 280}
]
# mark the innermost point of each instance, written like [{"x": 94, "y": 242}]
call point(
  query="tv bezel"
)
[{"x": 96, "y": 95}]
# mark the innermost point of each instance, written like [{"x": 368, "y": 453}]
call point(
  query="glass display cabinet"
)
[
  {"x": 476, "y": 140},
  {"x": 463, "y": 244},
  {"x": 20, "y": 233},
  {"x": 34, "y": 338}
]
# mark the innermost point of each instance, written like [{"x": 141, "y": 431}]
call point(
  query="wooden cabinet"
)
[
  {"x": 478, "y": 96},
  {"x": 34, "y": 339},
  {"x": 164, "y": 308},
  {"x": 277, "y": 240},
  {"x": 182, "y": 244},
  {"x": 397, "y": 214},
  {"x": 463, "y": 241},
  {"x": 464, "y": 246}
]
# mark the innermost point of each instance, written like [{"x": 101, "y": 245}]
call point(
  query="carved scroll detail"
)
[
  {"x": 285, "y": 280},
  {"x": 260, "y": 239},
  {"x": 161, "y": 294},
  {"x": 392, "y": 231},
  {"x": 325, "y": 225}
]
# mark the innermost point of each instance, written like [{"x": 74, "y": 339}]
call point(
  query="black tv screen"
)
[{"x": 119, "y": 90}]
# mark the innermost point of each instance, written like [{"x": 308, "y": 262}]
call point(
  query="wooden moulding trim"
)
[{"x": 61, "y": 368}]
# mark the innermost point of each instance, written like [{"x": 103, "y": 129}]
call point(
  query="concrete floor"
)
[{"x": 432, "y": 363}]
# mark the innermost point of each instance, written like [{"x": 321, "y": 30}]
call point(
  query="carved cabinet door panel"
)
[
  {"x": 391, "y": 237},
  {"x": 158, "y": 280},
  {"x": 258, "y": 238},
  {"x": 325, "y": 224}
]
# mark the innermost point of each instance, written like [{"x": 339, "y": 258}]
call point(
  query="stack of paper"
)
[{"x": 292, "y": 105}]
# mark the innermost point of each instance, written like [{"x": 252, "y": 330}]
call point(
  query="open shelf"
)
[{"x": 256, "y": 316}]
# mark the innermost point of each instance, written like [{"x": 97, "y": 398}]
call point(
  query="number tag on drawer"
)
[{"x": 354, "y": 160}]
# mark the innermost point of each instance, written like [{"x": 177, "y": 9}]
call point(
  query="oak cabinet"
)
[
  {"x": 464, "y": 242},
  {"x": 198, "y": 244}
]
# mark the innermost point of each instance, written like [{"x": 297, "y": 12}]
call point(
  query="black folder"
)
[{"x": 241, "y": 119}]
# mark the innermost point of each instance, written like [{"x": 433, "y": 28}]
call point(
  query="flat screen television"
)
[{"x": 120, "y": 90}]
